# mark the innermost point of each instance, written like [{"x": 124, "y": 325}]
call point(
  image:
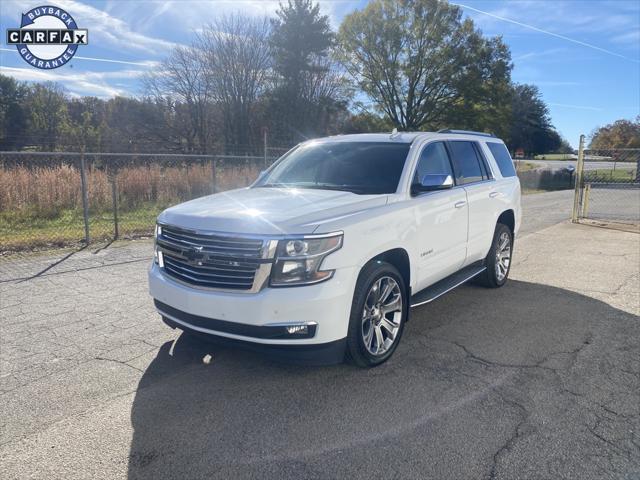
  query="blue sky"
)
[{"x": 584, "y": 55}]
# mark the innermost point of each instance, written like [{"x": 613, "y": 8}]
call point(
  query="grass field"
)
[
  {"x": 619, "y": 174},
  {"x": 522, "y": 166},
  {"x": 556, "y": 156},
  {"x": 19, "y": 232},
  {"x": 41, "y": 207}
]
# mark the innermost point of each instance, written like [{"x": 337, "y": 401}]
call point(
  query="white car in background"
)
[{"x": 323, "y": 256}]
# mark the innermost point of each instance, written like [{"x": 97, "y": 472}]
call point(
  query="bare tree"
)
[
  {"x": 181, "y": 83},
  {"x": 236, "y": 61}
]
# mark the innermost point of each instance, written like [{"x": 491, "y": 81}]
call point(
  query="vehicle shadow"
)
[{"x": 471, "y": 367}]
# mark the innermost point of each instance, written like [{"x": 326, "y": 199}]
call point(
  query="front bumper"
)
[{"x": 262, "y": 317}]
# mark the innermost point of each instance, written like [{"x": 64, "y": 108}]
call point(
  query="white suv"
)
[{"x": 327, "y": 251}]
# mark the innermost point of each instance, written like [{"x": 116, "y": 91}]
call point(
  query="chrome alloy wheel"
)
[
  {"x": 381, "y": 315},
  {"x": 503, "y": 256}
]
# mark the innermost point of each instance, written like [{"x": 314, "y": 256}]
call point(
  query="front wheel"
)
[
  {"x": 378, "y": 314},
  {"x": 498, "y": 259}
]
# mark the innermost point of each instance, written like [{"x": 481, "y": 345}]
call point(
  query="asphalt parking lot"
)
[{"x": 539, "y": 379}]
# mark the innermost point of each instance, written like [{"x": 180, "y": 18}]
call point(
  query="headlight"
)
[{"x": 298, "y": 260}]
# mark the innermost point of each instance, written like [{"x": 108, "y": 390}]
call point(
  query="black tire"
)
[
  {"x": 490, "y": 278},
  {"x": 373, "y": 272}
]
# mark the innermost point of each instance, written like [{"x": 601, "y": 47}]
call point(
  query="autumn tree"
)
[{"x": 619, "y": 134}]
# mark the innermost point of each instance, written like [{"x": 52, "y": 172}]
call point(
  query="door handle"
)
[
  {"x": 494, "y": 194},
  {"x": 460, "y": 204}
]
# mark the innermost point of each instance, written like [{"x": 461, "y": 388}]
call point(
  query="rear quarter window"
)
[{"x": 503, "y": 159}]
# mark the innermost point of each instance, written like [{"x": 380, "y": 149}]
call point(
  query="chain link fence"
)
[
  {"x": 608, "y": 186},
  {"x": 70, "y": 200}
]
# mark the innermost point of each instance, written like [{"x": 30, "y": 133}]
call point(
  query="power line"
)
[{"x": 547, "y": 32}]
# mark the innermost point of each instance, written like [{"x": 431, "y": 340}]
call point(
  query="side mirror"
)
[{"x": 432, "y": 183}]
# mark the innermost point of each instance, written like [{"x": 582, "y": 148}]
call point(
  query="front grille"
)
[{"x": 210, "y": 260}]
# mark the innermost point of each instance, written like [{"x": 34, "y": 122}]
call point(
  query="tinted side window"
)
[
  {"x": 434, "y": 160},
  {"x": 503, "y": 159},
  {"x": 484, "y": 165},
  {"x": 465, "y": 162}
]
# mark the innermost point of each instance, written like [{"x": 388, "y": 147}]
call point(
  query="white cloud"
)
[
  {"x": 142, "y": 63},
  {"x": 631, "y": 38},
  {"x": 86, "y": 83},
  {"x": 554, "y": 83},
  {"x": 575, "y": 107},
  {"x": 552, "y": 53},
  {"x": 192, "y": 15},
  {"x": 105, "y": 30}
]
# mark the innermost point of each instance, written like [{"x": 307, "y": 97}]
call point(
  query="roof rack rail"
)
[{"x": 466, "y": 132}]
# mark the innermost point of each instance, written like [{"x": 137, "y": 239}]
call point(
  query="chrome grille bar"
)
[{"x": 215, "y": 261}]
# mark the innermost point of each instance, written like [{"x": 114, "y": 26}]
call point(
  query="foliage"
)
[
  {"x": 309, "y": 92},
  {"x": 531, "y": 127},
  {"x": 422, "y": 65},
  {"x": 619, "y": 134},
  {"x": 411, "y": 64},
  {"x": 13, "y": 115}
]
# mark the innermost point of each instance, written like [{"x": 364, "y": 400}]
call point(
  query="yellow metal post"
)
[
  {"x": 578, "y": 186},
  {"x": 585, "y": 200}
]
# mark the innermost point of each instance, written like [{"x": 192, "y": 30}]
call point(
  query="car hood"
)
[{"x": 269, "y": 211}]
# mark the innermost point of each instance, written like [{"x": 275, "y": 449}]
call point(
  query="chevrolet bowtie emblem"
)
[{"x": 194, "y": 255}]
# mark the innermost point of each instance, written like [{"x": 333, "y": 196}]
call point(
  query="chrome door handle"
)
[
  {"x": 494, "y": 194},
  {"x": 460, "y": 204}
]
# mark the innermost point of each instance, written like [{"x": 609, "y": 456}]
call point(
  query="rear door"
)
[
  {"x": 475, "y": 176},
  {"x": 440, "y": 239}
]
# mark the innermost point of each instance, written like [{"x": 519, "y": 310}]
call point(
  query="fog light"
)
[{"x": 298, "y": 330}]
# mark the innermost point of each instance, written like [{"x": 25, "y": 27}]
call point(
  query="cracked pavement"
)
[{"x": 539, "y": 379}]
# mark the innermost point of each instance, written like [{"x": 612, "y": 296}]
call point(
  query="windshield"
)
[{"x": 358, "y": 167}]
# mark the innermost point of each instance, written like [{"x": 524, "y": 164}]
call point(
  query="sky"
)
[{"x": 584, "y": 55}]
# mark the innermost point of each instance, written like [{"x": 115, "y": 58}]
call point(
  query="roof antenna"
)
[{"x": 394, "y": 133}]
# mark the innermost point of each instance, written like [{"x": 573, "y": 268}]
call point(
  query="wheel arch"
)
[
  {"x": 508, "y": 218},
  {"x": 399, "y": 258}
]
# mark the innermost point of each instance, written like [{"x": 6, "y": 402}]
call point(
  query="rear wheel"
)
[
  {"x": 498, "y": 259},
  {"x": 378, "y": 314}
]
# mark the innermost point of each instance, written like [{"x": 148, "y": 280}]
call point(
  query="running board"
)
[{"x": 445, "y": 285}]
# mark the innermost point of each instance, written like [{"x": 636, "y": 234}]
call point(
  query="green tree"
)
[
  {"x": 13, "y": 114},
  {"x": 422, "y": 65},
  {"x": 531, "y": 127},
  {"x": 47, "y": 107},
  {"x": 300, "y": 34},
  {"x": 309, "y": 91}
]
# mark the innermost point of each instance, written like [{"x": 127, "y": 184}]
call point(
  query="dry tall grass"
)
[{"x": 46, "y": 191}]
